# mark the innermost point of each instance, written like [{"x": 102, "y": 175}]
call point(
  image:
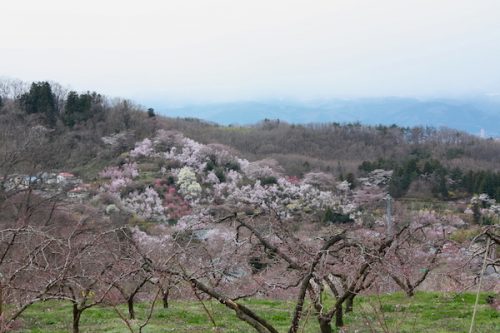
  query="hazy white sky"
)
[{"x": 233, "y": 49}]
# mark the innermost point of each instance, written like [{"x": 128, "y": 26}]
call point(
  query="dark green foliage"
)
[
  {"x": 330, "y": 216},
  {"x": 441, "y": 179},
  {"x": 79, "y": 108},
  {"x": 351, "y": 179},
  {"x": 40, "y": 100},
  {"x": 452, "y": 153},
  {"x": 487, "y": 220},
  {"x": 482, "y": 182},
  {"x": 268, "y": 180},
  {"x": 170, "y": 180},
  {"x": 366, "y": 166},
  {"x": 211, "y": 165},
  {"x": 476, "y": 212},
  {"x": 408, "y": 171},
  {"x": 432, "y": 166},
  {"x": 257, "y": 264},
  {"x": 219, "y": 172},
  {"x": 151, "y": 113},
  {"x": 468, "y": 181},
  {"x": 1, "y": 102},
  {"x": 134, "y": 186},
  {"x": 232, "y": 165},
  {"x": 401, "y": 180},
  {"x": 381, "y": 163},
  {"x": 440, "y": 186},
  {"x": 420, "y": 153}
]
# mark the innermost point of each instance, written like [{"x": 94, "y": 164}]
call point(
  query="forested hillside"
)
[
  {"x": 442, "y": 162},
  {"x": 109, "y": 205}
]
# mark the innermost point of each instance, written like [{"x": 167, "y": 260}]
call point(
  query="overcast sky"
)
[{"x": 219, "y": 50}]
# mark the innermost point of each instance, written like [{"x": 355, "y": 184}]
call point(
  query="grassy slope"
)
[{"x": 426, "y": 312}]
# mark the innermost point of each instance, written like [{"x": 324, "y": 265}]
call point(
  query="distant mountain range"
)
[{"x": 475, "y": 116}]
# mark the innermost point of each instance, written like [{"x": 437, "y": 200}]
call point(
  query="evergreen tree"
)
[
  {"x": 77, "y": 108},
  {"x": 151, "y": 113},
  {"x": 40, "y": 100},
  {"x": 351, "y": 179},
  {"x": 442, "y": 186}
]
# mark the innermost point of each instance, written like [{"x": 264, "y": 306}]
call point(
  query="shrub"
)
[
  {"x": 219, "y": 172},
  {"x": 330, "y": 216},
  {"x": 269, "y": 180}
]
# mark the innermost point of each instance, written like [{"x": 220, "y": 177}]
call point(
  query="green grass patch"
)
[{"x": 425, "y": 312}]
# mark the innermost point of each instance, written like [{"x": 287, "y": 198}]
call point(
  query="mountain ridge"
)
[{"x": 475, "y": 116}]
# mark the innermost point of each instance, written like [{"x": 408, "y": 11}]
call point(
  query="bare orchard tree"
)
[
  {"x": 342, "y": 259},
  {"x": 415, "y": 254},
  {"x": 54, "y": 250},
  {"x": 25, "y": 254},
  {"x": 243, "y": 256},
  {"x": 135, "y": 270},
  {"x": 485, "y": 248},
  {"x": 27, "y": 249},
  {"x": 93, "y": 250},
  {"x": 22, "y": 149}
]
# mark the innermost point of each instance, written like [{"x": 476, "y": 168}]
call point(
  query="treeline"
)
[
  {"x": 341, "y": 148},
  {"x": 440, "y": 181},
  {"x": 50, "y": 127},
  {"x": 68, "y": 107}
]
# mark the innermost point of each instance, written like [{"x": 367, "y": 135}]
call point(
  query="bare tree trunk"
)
[
  {"x": 131, "y": 311},
  {"x": 164, "y": 297},
  {"x": 242, "y": 312},
  {"x": 77, "y": 313},
  {"x": 1, "y": 301},
  {"x": 339, "y": 321},
  {"x": 325, "y": 326},
  {"x": 349, "y": 303},
  {"x": 294, "y": 327}
]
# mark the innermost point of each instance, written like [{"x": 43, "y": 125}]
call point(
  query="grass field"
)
[{"x": 426, "y": 312}]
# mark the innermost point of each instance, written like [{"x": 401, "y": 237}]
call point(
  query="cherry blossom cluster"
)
[
  {"x": 175, "y": 205},
  {"x": 120, "y": 176},
  {"x": 143, "y": 148},
  {"x": 147, "y": 205},
  {"x": 188, "y": 185},
  {"x": 486, "y": 205},
  {"x": 209, "y": 174}
]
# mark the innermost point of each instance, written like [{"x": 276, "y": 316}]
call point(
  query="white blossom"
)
[
  {"x": 188, "y": 186},
  {"x": 147, "y": 205},
  {"x": 143, "y": 148}
]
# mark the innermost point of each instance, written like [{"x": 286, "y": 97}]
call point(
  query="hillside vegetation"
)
[
  {"x": 108, "y": 204},
  {"x": 438, "y": 161}
]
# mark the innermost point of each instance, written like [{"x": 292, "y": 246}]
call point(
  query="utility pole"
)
[{"x": 388, "y": 222}]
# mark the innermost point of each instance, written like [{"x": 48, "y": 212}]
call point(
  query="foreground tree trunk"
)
[
  {"x": 339, "y": 316},
  {"x": 1, "y": 301},
  {"x": 77, "y": 313},
  {"x": 349, "y": 304},
  {"x": 131, "y": 311},
  {"x": 325, "y": 326},
  {"x": 164, "y": 297},
  {"x": 242, "y": 312}
]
